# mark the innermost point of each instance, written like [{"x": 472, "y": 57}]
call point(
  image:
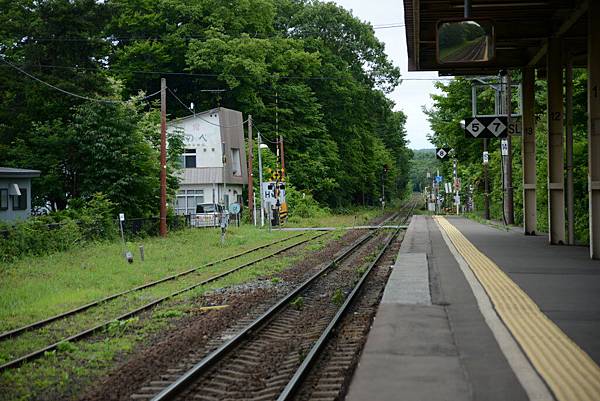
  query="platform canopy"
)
[{"x": 522, "y": 28}]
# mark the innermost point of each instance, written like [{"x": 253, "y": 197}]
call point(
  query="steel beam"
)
[
  {"x": 556, "y": 192},
  {"x": 562, "y": 29},
  {"x": 594, "y": 127},
  {"x": 528, "y": 153}
]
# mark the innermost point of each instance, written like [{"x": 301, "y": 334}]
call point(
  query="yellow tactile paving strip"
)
[{"x": 568, "y": 371}]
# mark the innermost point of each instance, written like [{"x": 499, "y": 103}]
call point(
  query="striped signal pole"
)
[{"x": 282, "y": 158}]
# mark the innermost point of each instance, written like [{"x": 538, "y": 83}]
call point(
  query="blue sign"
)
[
  {"x": 234, "y": 208},
  {"x": 438, "y": 178}
]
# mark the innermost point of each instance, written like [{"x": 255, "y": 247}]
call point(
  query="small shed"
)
[{"x": 15, "y": 193}]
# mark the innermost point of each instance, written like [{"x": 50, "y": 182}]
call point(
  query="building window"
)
[
  {"x": 236, "y": 163},
  {"x": 188, "y": 201},
  {"x": 3, "y": 199},
  {"x": 20, "y": 201},
  {"x": 188, "y": 160}
]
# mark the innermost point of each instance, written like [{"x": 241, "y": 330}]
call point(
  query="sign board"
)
[
  {"x": 442, "y": 153},
  {"x": 457, "y": 184},
  {"x": 121, "y": 216},
  {"x": 268, "y": 193},
  {"x": 447, "y": 187},
  {"x": 234, "y": 208},
  {"x": 486, "y": 127},
  {"x": 456, "y": 200},
  {"x": 438, "y": 178},
  {"x": 515, "y": 126},
  {"x": 224, "y": 220},
  {"x": 504, "y": 147},
  {"x": 486, "y": 157}
]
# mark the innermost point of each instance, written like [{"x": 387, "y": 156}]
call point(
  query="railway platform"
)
[{"x": 477, "y": 312}]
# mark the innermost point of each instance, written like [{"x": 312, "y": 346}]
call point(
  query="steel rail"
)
[
  {"x": 36, "y": 354},
  {"x": 41, "y": 323},
  {"x": 294, "y": 384},
  {"x": 210, "y": 360}
]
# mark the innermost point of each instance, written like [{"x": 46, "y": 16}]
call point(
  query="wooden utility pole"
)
[
  {"x": 250, "y": 180},
  {"x": 163, "y": 157},
  {"x": 282, "y": 157}
]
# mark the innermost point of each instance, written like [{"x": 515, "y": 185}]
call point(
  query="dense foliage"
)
[
  {"x": 454, "y": 104},
  {"x": 306, "y": 70},
  {"x": 422, "y": 164},
  {"x": 59, "y": 231}
]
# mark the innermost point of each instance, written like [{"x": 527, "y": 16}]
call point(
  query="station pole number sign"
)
[
  {"x": 486, "y": 127},
  {"x": 442, "y": 153},
  {"x": 504, "y": 147}
]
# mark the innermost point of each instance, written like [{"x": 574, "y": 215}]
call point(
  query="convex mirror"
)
[{"x": 465, "y": 41}]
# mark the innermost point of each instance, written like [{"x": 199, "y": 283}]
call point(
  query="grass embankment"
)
[
  {"x": 38, "y": 287},
  {"x": 351, "y": 218},
  {"x": 65, "y": 373}
]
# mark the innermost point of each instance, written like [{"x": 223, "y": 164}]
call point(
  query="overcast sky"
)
[{"x": 411, "y": 95}]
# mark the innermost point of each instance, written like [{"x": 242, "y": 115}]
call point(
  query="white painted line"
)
[{"x": 532, "y": 383}]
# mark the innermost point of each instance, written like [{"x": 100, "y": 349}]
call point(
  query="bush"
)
[
  {"x": 81, "y": 222},
  {"x": 94, "y": 217},
  {"x": 38, "y": 236},
  {"x": 303, "y": 205}
]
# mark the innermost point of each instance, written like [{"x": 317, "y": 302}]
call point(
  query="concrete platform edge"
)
[{"x": 532, "y": 383}]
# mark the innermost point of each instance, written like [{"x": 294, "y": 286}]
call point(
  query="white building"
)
[{"x": 214, "y": 160}]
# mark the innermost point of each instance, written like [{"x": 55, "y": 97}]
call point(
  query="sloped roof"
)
[{"x": 9, "y": 172}]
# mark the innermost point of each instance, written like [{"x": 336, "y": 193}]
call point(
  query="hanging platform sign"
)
[{"x": 486, "y": 127}]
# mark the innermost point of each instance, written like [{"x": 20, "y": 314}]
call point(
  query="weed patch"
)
[
  {"x": 297, "y": 303},
  {"x": 338, "y": 297}
]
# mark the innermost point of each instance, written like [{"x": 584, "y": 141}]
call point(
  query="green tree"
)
[{"x": 454, "y": 104}]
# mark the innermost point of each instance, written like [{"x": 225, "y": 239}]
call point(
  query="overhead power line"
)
[
  {"x": 66, "y": 92},
  {"x": 212, "y": 75},
  {"x": 200, "y": 117},
  {"x": 190, "y": 74},
  {"x": 109, "y": 39},
  {"x": 388, "y": 26}
]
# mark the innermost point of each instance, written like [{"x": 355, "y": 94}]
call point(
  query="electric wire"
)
[
  {"x": 66, "y": 92},
  {"x": 263, "y": 138},
  {"x": 109, "y": 39},
  {"x": 211, "y": 75},
  {"x": 389, "y": 26},
  {"x": 203, "y": 119}
]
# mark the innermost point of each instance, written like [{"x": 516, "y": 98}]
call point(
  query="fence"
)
[
  {"x": 5, "y": 234},
  {"x": 146, "y": 227},
  {"x": 131, "y": 227}
]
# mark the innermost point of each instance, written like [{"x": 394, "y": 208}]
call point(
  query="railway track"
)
[
  {"x": 13, "y": 335},
  {"x": 272, "y": 355}
]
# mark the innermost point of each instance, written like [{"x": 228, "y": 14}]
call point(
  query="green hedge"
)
[{"x": 82, "y": 222}]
